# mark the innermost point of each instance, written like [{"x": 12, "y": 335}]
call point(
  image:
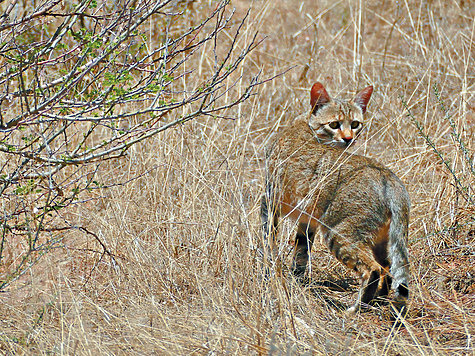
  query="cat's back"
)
[{"x": 303, "y": 166}]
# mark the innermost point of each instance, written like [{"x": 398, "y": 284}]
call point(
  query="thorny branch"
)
[{"x": 81, "y": 84}]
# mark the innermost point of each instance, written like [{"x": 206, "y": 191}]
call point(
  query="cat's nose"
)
[{"x": 347, "y": 140}]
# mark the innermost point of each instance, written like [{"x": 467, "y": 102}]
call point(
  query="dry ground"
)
[{"x": 186, "y": 279}]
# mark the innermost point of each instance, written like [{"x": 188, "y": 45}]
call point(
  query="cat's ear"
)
[
  {"x": 362, "y": 98},
  {"x": 318, "y": 96}
]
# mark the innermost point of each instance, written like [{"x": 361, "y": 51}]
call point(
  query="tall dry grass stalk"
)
[{"x": 184, "y": 229}]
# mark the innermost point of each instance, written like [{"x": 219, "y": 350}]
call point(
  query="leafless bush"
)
[{"x": 83, "y": 83}]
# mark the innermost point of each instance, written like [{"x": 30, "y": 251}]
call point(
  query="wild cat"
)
[{"x": 357, "y": 206}]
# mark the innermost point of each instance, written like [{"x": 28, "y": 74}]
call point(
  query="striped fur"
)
[{"x": 358, "y": 207}]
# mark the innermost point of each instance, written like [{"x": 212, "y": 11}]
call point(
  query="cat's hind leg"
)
[
  {"x": 358, "y": 256},
  {"x": 303, "y": 246}
]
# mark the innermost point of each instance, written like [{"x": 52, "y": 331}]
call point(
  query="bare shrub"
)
[{"x": 83, "y": 83}]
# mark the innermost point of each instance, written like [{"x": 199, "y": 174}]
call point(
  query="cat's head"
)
[{"x": 337, "y": 122}]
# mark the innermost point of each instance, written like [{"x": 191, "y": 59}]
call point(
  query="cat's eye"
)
[
  {"x": 355, "y": 124},
  {"x": 334, "y": 125}
]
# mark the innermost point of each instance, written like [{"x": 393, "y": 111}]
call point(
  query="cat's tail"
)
[{"x": 398, "y": 255}]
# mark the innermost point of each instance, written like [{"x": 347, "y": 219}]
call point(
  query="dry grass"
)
[{"x": 186, "y": 277}]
